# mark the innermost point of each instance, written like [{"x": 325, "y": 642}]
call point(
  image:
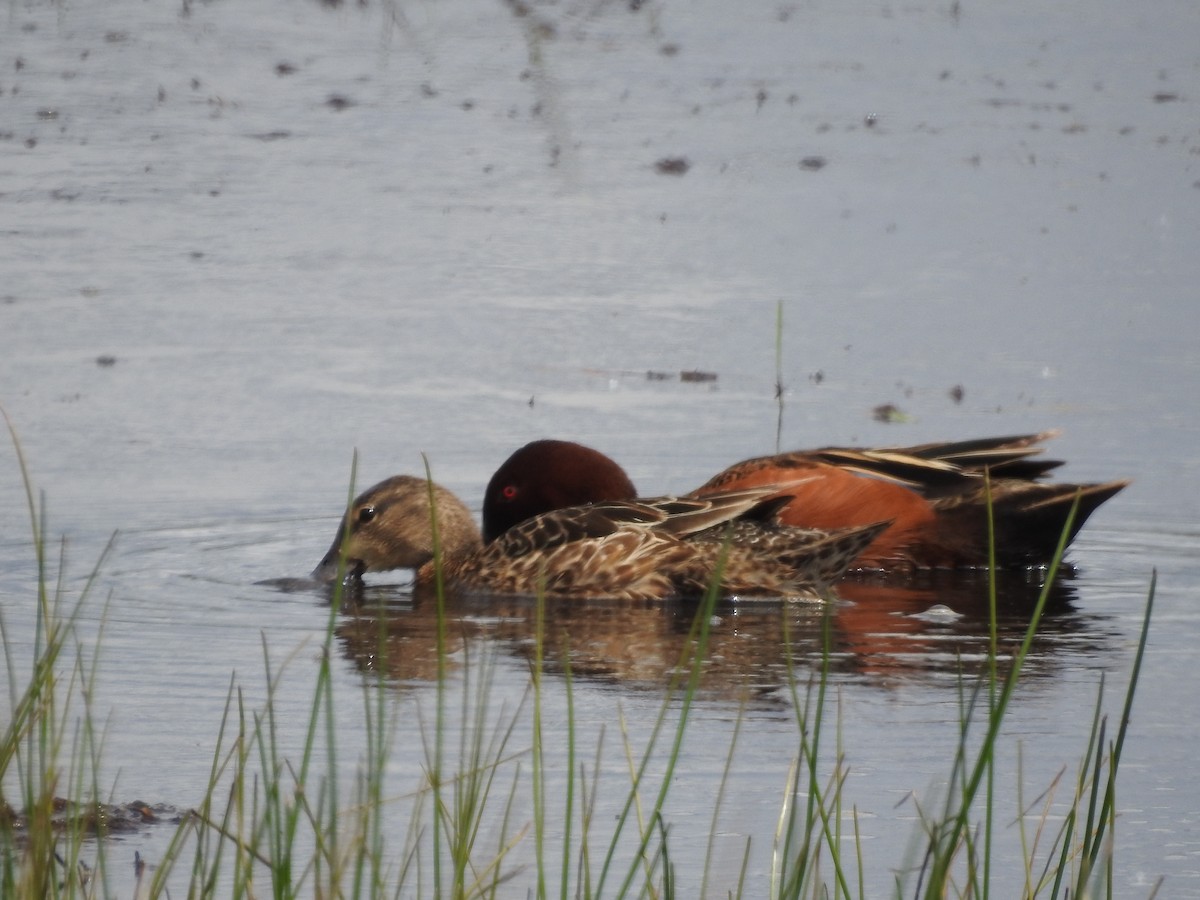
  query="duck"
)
[
  {"x": 630, "y": 549},
  {"x": 935, "y": 495}
]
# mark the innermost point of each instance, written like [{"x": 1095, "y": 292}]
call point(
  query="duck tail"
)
[{"x": 1029, "y": 520}]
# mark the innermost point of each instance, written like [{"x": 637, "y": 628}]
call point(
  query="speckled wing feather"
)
[
  {"x": 671, "y": 515},
  {"x": 649, "y": 549},
  {"x": 630, "y": 563},
  {"x": 781, "y": 559},
  {"x": 577, "y": 523},
  {"x": 685, "y": 516}
]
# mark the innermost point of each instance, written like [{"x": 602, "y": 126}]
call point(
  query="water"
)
[{"x": 242, "y": 240}]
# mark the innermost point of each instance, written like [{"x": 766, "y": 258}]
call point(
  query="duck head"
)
[
  {"x": 390, "y": 526},
  {"x": 548, "y": 475}
]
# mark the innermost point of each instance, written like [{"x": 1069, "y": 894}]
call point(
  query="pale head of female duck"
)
[
  {"x": 547, "y": 475},
  {"x": 390, "y": 526}
]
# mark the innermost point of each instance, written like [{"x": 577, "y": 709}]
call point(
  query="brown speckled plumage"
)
[{"x": 636, "y": 550}]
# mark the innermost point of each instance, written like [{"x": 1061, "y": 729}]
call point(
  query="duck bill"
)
[{"x": 332, "y": 566}]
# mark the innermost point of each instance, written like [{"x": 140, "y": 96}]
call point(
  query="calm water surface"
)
[{"x": 240, "y": 241}]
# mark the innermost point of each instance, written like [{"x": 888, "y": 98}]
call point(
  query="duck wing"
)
[
  {"x": 625, "y": 564},
  {"x": 929, "y": 469},
  {"x": 676, "y": 517},
  {"x": 950, "y": 463},
  {"x": 573, "y": 525}
]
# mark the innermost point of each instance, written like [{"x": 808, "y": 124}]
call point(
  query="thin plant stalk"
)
[{"x": 779, "y": 388}]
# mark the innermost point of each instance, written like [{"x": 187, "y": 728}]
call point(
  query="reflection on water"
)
[{"x": 878, "y": 632}]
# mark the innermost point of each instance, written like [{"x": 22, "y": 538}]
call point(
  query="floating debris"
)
[
  {"x": 889, "y": 414},
  {"x": 106, "y": 360},
  {"x": 338, "y": 102},
  {"x": 813, "y": 163},
  {"x": 957, "y": 393},
  {"x": 695, "y": 376},
  {"x": 672, "y": 165},
  {"x": 939, "y": 612}
]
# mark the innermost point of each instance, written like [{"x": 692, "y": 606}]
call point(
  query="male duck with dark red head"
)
[{"x": 935, "y": 496}]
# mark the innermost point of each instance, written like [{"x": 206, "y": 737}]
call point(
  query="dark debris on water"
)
[
  {"x": 889, "y": 414},
  {"x": 695, "y": 376},
  {"x": 672, "y": 165}
]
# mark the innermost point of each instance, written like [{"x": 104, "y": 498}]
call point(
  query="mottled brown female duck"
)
[
  {"x": 935, "y": 495},
  {"x": 626, "y": 549}
]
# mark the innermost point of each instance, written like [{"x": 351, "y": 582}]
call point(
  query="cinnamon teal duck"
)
[{"x": 935, "y": 496}]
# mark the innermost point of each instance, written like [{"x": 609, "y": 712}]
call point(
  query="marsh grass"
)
[
  {"x": 483, "y": 820},
  {"x": 49, "y": 747}
]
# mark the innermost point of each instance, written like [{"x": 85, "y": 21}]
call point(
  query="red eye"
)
[{"x": 509, "y": 492}]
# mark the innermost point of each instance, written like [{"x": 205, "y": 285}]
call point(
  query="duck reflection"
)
[{"x": 880, "y": 631}]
